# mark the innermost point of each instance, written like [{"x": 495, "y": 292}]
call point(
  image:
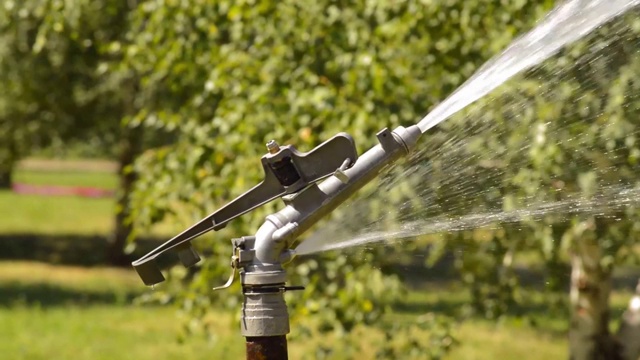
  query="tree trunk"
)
[
  {"x": 130, "y": 148},
  {"x": 589, "y": 336},
  {"x": 6, "y": 175},
  {"x": 629, "y": 332},
  {"x": 8, "y": 158}
]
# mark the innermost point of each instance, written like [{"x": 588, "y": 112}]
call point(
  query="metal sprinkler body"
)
[{"x": 259, "y": 259}]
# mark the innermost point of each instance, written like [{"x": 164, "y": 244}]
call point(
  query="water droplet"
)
[{"x": 153, "y": 287}]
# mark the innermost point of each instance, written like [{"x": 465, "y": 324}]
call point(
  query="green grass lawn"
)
[
  {"x": 64, "y": 312},
  {"x": 67, "y": 178},
  {"x": 95, "y": 173},
  {"x": 103, "y": 332},
  {"x": 53, "y": 215},
  {"x": 61, "y": 215}
]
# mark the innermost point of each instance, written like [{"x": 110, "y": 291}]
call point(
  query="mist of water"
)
[
  {"x": 565, "y": 24},
  {"x": 612, "y": 200},
  {"x": 456, "y": 180}
]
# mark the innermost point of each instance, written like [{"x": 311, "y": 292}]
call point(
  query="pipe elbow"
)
[{"x": 272, "y": 239}]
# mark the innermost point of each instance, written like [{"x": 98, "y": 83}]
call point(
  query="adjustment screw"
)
[{"x": 273, "y": 147}]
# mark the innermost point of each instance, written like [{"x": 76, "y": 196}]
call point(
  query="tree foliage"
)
[
  {"x": 55, "y": 58},
  {"x": 49, "y": 51},
  {"x": 228, "y": 76},
  {"x": 562, "y": 137},
  {"x": 225, "y": 77}
]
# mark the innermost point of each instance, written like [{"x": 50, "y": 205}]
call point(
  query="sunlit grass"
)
[
  {"x": 52, "y": 215},
  {"x": 56, "y": 215},
  {"x": 482, "y": 340},
  {"x": 111, "y": 327},
  {"x": 106, "y": 332},
  {"x": 66, "y": 312},
  {"x": 105, "y": 279},
  {"x": 88, "y": 313},
  {"x": 94, "y": 173},
  {"x": 101, "y": 180}
]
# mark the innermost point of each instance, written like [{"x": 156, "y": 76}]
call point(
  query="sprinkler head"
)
[
  {"x": 295, "y": 178},
  {"x": 287, "y": 171}
]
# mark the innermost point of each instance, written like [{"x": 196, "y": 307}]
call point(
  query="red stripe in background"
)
[{"x": 53, "y": 190}]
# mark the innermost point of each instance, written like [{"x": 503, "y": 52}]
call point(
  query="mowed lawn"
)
[
  {"x": 63, "y": 215},
  {"x": 63, "y": 312},
  {"x": 54, "y": 215},
  {"x": 66, "y": 312}
]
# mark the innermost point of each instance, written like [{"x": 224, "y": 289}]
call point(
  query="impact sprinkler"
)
[{"x": 294, "y": 177}]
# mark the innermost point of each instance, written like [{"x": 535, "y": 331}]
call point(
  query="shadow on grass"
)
[
  {"x": 82, "y": 250},
  {"x": 537, "y": 309},
  {"x": 453, "y": 307},
  {"x": 449, "y": 307},
  {"x": 47, "y": 295}
]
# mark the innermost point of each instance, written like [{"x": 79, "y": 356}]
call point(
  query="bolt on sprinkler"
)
[
  {"x": 273, "y": 147},
  {"x": 296, "y": 178}
]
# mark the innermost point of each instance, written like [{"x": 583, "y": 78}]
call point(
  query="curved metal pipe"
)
[{"x": 307, "y": 207}]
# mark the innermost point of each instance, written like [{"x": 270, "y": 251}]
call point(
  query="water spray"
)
[
  {"x": 295, "y": 177},
  {"x": 313, "y": 184}
]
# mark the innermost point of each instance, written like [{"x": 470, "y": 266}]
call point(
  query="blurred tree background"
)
[{"x": 182, "y": 96}]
